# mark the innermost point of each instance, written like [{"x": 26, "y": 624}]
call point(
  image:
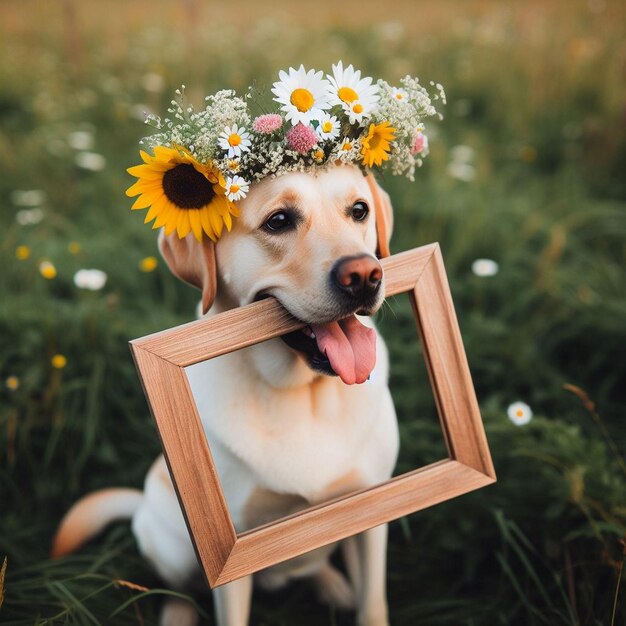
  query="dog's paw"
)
[
  {"x": 178, "y": 612},
  {"x": 334, "y": 589}
]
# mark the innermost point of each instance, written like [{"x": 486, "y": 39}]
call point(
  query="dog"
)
[{"x": 291, "y": 422}]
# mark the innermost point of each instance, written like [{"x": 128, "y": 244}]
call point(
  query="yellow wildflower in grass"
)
[
  {"x": 148, "y": 264},
  {"x": 181, "y": 194},
  {"x": 12, "y": 383},
  {"x": 22, "y": 252},
  {"x": 376, "y": 145},
  {"x": 58, "y": 361},
  {"x": 47, "y": 270},
  {"x": 74, "y": 247}
]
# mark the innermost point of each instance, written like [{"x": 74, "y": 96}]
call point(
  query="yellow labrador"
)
[{"x": 293, "y": 421}]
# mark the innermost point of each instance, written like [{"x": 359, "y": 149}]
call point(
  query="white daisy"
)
[
  {"x": 399, "y": 94},
  {"x": 519, "y": 413},
  {"x": 328, "y": 127},
  {"x": 236, "y": 188},
  {"x": 235, "y": 140},
  {"x": 355, "y": 111},
  {"x": 303, "y": 95},
  {"x": 347, "y": 150},
  {"x": 346, "y": 87}
]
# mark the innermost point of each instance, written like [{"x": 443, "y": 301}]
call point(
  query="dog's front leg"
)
[
  {"x": 232, "y": 602},
  {"x": 372, "y": 602}
]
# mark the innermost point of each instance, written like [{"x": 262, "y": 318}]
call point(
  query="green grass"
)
[{"x": 533, "y": 90}]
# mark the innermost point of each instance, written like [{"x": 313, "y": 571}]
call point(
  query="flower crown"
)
[{"x": 204, "y": 162}]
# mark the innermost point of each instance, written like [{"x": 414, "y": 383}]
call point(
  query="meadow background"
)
[{"x": 527, "y": 169}]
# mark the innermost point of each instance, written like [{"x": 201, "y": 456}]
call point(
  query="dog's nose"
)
[{"x": 358, "y": 276}]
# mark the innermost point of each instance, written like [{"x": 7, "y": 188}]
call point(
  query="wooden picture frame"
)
[{"x": 223, "y": 554}]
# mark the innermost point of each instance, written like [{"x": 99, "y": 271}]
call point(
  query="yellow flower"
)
[
  {"x": 12, "y": 383},
  {"x": 375, "y": 147},
  {"x": 47, "y": 270},
  {"x": 22, "y": 252},
  {"x": 148, "y": 264},
  {"x": 73, "y": 247},
  {"x": 58, "y": 361},
  {"x": 181, "y": 194}
]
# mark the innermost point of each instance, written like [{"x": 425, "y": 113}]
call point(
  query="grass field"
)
[{"x": 526, "y": 169}]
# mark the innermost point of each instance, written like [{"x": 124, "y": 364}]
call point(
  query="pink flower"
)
[
  {"x": 267, "y": 124},
  {"x": 420, "y": 144},
  {"x": 301, "y": 138}
]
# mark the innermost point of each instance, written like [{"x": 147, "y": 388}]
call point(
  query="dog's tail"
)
[{"x": 91, "y": 514}]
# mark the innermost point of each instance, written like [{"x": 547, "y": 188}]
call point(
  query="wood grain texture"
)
[
  {"x": 162, "y": 357},
  {"x": 242, "y": 327},
  {"x": 448, "y": 368},
  {"x": 189, "y": 460},
  {"x": 351, "y": 514}
]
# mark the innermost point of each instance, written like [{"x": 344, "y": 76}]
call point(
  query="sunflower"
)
[
  {"x": 375, "y": 146},
  {"x": 181, "y": 193}
]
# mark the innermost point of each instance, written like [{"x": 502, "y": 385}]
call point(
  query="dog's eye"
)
[
  {"x": 277, "y": 222},
  {"x": 359, "y": 211}
]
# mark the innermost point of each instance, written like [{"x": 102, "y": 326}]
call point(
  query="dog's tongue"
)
[{"x": 349, "y": 346}]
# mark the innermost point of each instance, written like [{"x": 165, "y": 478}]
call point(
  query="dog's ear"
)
[
  {"x": 384, "y": 216},
  {"x": 193, "y": 262}
]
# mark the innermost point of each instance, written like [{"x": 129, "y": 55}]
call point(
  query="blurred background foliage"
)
[{"x": 527, "y": 170}]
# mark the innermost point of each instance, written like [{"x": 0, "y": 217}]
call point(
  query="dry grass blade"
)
[
  {"x": 3, "y": 572},
  {"x": 590, "y": 405}
]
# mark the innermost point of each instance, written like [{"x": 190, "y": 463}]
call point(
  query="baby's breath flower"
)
[{"x": 339, "y": 118}]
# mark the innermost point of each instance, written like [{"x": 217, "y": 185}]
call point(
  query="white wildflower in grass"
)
[
  {"x": 461, "y": 171},
  {"x": 80, "y": 140},
  {"x": 357, "y": 96},
  {"x": 328, "y": 127},
  {"x": 28, "y": 217},
  {"x": 462, "y": 154},
  {"x": 485, "y": 267},
  {"x": 519, "y": 413},
  {"x": 235, "y": 140},
  {"x": 303, "y": 95},
  {"x": 236, "y": 188},
  {"x": 153, "y": 82},
  {"x": 28, "y": 198},
  {"x": 93, "y": 280},
  {"x": 91, "y": 161}
]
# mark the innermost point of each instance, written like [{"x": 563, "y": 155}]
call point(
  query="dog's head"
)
[{"x": 309, "y": 240}]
